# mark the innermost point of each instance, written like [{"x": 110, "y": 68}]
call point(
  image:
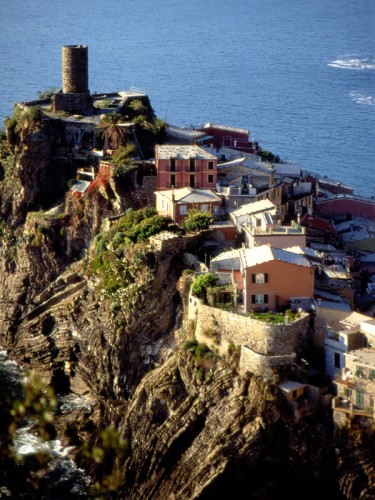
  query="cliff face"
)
[{"x": 195, "y": 428}]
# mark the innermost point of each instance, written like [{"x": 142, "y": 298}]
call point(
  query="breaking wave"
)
[
  {"x": 362, "y": 99},
  {"x": 353, "y": 62}
]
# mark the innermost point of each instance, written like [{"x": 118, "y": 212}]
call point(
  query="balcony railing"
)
[{"x": 347, "y": 406}]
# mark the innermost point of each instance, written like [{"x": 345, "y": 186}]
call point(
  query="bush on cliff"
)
[{"x": 201, "y": 284}]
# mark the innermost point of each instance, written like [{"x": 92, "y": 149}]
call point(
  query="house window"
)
[
  {"x": 359, "y": 399},
  {"x": 210, "y": 179},
  {"x": 259, "y": 277},
  {"x": 172, "y": 180},
  {"x": 192, "y": 164},
  {"x": 204, "y": 208},
  {"x": 210, "y": 165},
  {"x": 347, "y": 392},
  {"x": 183, "y": 210},
  {"x": 192, "y": 181},
  {"x": 173, "y": 164},
  {"x": 371, "y": 402},
  {"x": 359, "y": 371},
  {"x": 259, "y": 298},
  {"x": 337, "y": 360}
]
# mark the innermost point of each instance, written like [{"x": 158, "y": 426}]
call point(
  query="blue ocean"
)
[{"x": 300, "y": 75}]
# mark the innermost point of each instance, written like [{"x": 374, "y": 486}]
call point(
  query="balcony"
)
[{"x": 346, "y": 406}]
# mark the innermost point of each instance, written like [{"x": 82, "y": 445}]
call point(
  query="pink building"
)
[{"x": 185, "y": 166}]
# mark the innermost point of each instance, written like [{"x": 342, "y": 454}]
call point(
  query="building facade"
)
[
  {"x": 181, "y": 166},
  {"x": 176, "y": 203},
  {"x": 272, "y": 276}
]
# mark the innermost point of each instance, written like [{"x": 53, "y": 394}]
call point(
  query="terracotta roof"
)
[{"x": 314, "y": 222}]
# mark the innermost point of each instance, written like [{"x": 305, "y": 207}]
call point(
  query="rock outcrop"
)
[{"x": 195, "y": 429}]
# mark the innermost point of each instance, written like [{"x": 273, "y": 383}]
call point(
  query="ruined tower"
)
[{"x": 75, "y": 95}]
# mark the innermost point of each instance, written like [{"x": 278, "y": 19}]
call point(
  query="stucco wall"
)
[
  {"x": 182, "y": 173},
  {"x": 284, "y": 281}
]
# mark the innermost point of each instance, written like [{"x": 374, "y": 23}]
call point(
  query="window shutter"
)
[
  {"x": 266, "y": 277},
  {"x": 253, "y": 278},
  {"x": 266, "y": 299},
  {"x": 253, "y": 299}
]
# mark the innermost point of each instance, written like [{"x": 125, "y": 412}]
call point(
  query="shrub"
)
[
  {"x": 47, "y": 93},
  {"x": 123, "y": 154},
  {"x": 148, "y": 227},
  {"x": 197, "y": 221},
  {"x": 201, "y": 284}
]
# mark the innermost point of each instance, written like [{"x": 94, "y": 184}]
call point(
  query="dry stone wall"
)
[
  {"x": 267, "y": 345},
  {"x": 262, "y": 365}
]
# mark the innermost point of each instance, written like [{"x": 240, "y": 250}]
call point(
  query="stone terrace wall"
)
[
  {"x": 223, "y": 328},
  {"x": 171, "y": 243},
  {"x": 262, "y": 365}
]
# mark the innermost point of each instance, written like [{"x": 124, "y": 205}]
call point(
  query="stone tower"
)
[{"x": 75, "y": 95}]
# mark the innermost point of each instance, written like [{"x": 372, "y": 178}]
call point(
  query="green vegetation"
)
[
  {"x": 24, "y": 121},
  {"x": 273, "y": 317},
  {"x": 268, "y": 156},
  {"x": 102, "y": 104},
  {"x": 202, "y": 283},
  {"x": 111, "y": 130},
  {"x": 127, "y": 270},
  {"x": 107, "y": 451},
  {"x": 197, "y": 221},
  {"x": 122, "y": 158},
  {"x": 47, "y": 93},
  {"x": 204, "y": 360},
  {"x": 29, "y": 475},
  {"x": 123, "y": 155}
]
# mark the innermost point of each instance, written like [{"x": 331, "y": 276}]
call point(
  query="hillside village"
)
[{"x": 292, "y": 253}]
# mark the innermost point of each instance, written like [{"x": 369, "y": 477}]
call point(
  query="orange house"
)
[
  {"x": 272, "y": 276},
  {"x": 182, "y": 166}
]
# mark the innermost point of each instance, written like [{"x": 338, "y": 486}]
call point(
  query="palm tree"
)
[{"x": 113, "y": 133}]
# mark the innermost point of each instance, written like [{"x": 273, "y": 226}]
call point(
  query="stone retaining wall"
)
[
  {"x": 263, "y": 346},
  {"x": 262, "y": 337},
  {"x": 262, "y": 365}
]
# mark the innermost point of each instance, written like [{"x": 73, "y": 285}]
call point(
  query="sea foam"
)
[
  {"x": 362, "y": 99},
  {"x": 353, "y": 62}
]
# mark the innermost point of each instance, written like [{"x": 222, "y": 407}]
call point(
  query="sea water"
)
[{"x": 300, "y": 75}]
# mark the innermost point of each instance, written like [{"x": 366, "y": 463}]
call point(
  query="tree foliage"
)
[
  {"x": 113, "y": 133},
  {"x": 21, "y": 124},
  {"x": 197, "y": 221},
  {"x": 201, "y": 284},
  {"x": 123, "y": 155}
]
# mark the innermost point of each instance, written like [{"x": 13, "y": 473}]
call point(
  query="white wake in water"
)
[
  {"x": 362, "y": 99},
  {"x": 353, "y": 62}
]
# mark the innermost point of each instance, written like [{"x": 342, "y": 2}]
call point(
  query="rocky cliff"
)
[{"x": 194, "y": 427}]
